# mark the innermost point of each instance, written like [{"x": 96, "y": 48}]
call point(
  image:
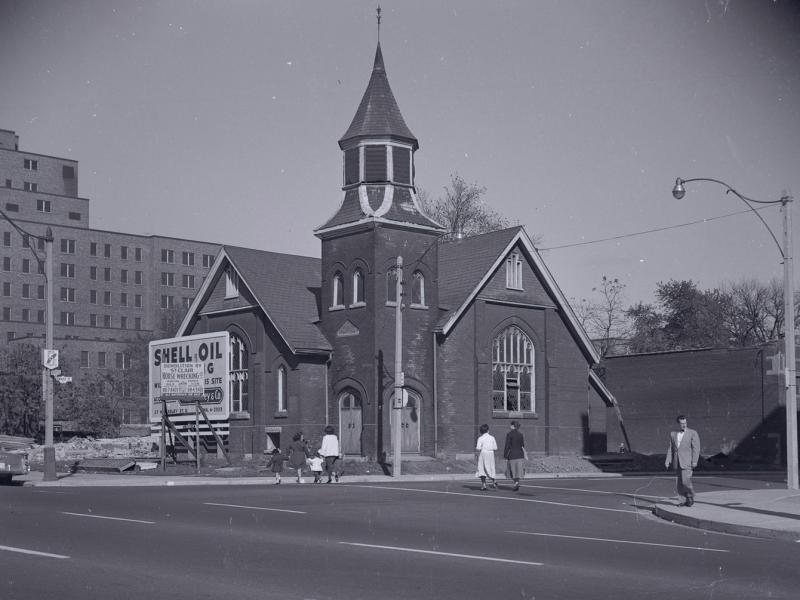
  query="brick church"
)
[{"x": 487, "y": 335}]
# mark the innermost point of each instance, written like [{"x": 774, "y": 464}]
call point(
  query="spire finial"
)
[{"x": 379, "y": 23}]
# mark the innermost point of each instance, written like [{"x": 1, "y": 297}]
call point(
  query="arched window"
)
[
  {"x": 358, "y": 287},
  {"x": 513, "y": 372},
  {"x": 282, "y": 389},
  {"x": 338, "y": 290},
  {"x": 391, "y": 285},
  {"x": 418, "y": 289},
  {"x": 238, "y": 375}
]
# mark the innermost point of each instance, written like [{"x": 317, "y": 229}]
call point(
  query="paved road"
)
[{"x": 553, "y": 539}]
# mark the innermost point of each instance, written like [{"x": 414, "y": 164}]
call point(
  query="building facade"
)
[
  {"x": 110, "y": 288},
  {"x": 487, "y": 335}
]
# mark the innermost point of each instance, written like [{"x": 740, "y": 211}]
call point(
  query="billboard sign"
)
[{"x": 183, "y": 369}]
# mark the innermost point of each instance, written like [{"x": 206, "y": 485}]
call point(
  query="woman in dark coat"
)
[
  {"x": 514, "y": 453},
  {"x": 298, "y": 453}
]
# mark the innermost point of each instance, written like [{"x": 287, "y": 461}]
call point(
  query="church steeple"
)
[
  {"x": 378, "y": 150},
  {"x": 378, "y": 115}
]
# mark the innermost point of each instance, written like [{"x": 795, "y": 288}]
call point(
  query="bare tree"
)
[
  {"x": 605, "y": 319},
  {"x": 461, "y": 210}
]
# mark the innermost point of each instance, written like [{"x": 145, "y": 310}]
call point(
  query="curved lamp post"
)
[{"x": 790, "y": 369}]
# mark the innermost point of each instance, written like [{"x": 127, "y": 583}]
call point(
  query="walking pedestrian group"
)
[
  {"x": 513, "y": 451},
  {"x": 299, "y": 456}
]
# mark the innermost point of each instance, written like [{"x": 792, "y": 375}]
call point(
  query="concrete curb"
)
[{"x": 715, "y": 524}]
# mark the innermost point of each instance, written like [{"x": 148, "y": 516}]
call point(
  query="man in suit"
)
[{"x": 683, "y": 453}]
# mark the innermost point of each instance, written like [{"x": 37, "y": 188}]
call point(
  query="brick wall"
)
[{"x": 728, "y": 395}]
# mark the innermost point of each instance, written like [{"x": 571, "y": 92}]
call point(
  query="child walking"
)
[
  {"x": 315, "y": 463},
  {"x": 275, "y": 464}
]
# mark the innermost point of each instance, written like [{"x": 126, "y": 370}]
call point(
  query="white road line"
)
[
  {"x": 451, "y": 554},
  {"x": 592, "y": 539},
  {"x": 297, "y": 512},
  {"x": 33, "y": 552},
  {"x": 494, "y": 496},
  {"x": 109, "y": 518}
]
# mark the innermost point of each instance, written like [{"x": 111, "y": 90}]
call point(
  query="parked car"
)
[{"x": 14, "y": 456}]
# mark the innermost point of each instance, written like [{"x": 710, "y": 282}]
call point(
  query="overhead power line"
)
[{"x": 657, "y": 229}]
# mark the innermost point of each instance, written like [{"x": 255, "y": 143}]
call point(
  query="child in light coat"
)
[{"x": 315, "y": 464}]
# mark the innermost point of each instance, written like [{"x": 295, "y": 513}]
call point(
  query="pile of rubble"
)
[{"x": 80, "y": 448}]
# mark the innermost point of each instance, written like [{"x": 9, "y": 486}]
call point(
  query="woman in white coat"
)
[{"x": 485, "y": 448}]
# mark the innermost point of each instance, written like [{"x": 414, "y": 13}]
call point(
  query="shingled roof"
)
[
  {"x": 288, "y": 289},
  {"x": 466, "y": 265},
  {"x": 378, "y": 114},
  {"x": 379, "y": 203}
]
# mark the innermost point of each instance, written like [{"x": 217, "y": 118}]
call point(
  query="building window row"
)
[
  {"x": 357, "y": 290},
  {"x": 104, "y": 321}
]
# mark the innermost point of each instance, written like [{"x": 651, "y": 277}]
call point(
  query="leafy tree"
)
[
  {"x": 21, "y": 407},
  {"x": 92, "y": 403},
  {"x": 462, "y": 210},
  {"x": 738, "y": 314}
]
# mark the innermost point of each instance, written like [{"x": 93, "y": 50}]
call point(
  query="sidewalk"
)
[
  {"x": 770, "y": 514},
  {"x": 36, "y": 478}
]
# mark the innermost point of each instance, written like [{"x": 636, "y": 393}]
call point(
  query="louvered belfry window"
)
[
  {"x": 512, "y": 372},
  {"x": 375, "y": 164},
  {"x": 351, "y": 166},
  {"x": 401, "y": 164}
]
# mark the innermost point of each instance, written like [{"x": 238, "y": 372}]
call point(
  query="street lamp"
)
[{"x": 790, "y": 369}]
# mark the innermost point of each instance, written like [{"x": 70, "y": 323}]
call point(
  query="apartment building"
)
[{"x": 109, "y": 288}]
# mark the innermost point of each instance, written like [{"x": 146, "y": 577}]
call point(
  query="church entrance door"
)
[{"x": 351, "y": 422}]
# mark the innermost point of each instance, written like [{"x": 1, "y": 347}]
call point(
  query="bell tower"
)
[{"x": 379, "y": 218}]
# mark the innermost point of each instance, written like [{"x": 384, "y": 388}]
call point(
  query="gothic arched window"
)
[
  {"x": 238, "y": 375},
  {"x": 282, "y": 389},
  {"x": 358, "y": 287},
  {"x": 338, "y": 290},
  {"x": 418, "y": 289},
  {"x": 391, "y": 285},
  {"x": 513, "y": 372}
]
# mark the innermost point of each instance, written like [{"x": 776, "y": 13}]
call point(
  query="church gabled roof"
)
[
  {"x": 465, "y": 266},
  {"x": 286, "y": 287},
  {"x": 378, "y": 114}
]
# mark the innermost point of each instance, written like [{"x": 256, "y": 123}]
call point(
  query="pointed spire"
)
[{"x": 378, "y": 114}]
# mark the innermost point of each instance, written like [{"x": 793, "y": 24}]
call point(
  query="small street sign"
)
[
  {"x": 64, "y": 379},
  {"x": 50, "y": 358}
]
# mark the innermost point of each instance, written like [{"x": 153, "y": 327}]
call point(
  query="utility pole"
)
[
  {"x": 47, "y": 380},
  {"x": 790, "y": 368},
  {"x": 397, "y": 408}
]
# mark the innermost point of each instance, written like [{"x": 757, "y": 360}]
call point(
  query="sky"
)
[{"x": 219, "y": 121}]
